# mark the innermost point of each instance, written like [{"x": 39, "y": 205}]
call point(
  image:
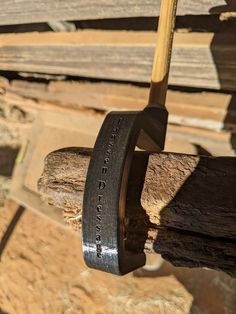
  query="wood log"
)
[
  {"x": 199, "y": 59},
  {"x": 181, "y": 206},
  {"x": 27, "y": 11}
]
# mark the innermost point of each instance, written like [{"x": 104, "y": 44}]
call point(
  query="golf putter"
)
[{"x": 103, "y": 218}]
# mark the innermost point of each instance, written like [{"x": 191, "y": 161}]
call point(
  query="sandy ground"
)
[{"x": 42, "y": 271}]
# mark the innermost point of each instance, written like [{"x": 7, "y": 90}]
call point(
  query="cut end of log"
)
[{"x": 65, "y": 194}]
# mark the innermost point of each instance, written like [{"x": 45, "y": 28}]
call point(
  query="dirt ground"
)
[{"x": 42, "y": 271}]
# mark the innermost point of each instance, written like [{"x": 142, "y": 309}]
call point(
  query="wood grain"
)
[
  {"x": 199, "y": 60},
  {"x": 187, "y": 210},
  {"x": 196, "y": 120},
  {"x": 29, "y": 11},
  {"x": 212, "y": 111}
]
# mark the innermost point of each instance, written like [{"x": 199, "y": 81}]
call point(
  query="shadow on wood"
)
[
  {"x": 230, "y": 6},
  {"x": 199, "y": 220},
  {"x": 184, "y": 208},
  {"x": 7, "y": 160}
]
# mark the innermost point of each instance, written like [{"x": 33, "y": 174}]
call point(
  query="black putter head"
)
[{"x": 104, "y": 238}]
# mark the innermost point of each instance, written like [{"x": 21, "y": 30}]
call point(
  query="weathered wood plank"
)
[
  {"x": 187, "y": 211},
  {"x": 193, "y": 119},
  {"x": 29, "y": 11},
  {"x": 199, "y": 60},
  {"x": 20, "y": 103},
  {"x": 206, "y": 110}
]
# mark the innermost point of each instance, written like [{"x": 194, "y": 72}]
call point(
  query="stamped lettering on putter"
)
[{"x": 102, "y": 186}]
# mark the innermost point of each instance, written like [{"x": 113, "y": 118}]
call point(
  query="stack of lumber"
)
[
  {"x": 15, "y": 12},
  {"x": 56, "y": 68},
  {"x": 199, "y": 60},
  {"x": 199, "y": 119}
]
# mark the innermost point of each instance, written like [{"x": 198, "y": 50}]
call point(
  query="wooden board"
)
[
  {"x": 212, "y": 111},
  {"x": 29, "y": 11},
  {"x": 199, "y": 59},
  {"x": 193, "y": 123}
]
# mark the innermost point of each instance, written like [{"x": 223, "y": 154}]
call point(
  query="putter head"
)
[{"x": 103, "y": 225}]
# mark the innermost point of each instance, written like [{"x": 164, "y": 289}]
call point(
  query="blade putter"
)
[{"x": 103, "y": 219}]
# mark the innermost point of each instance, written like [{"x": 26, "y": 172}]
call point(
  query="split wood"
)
[{"x": 181, "y": 206}]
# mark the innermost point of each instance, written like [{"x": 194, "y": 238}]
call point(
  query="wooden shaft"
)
[
  {"x": 162, "y": 57},
  {"x": 184, "y": 209}
]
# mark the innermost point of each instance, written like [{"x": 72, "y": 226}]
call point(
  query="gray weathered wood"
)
[
  {"x": 187, "y": 211},
  {"x": 30, "y": 11},
  {"x": 199, "y": 60}
]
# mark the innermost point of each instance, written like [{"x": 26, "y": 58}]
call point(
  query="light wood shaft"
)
[{"x": 161, "y": 63}]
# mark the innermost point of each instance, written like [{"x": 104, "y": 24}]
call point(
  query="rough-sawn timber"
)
[
  {"x": 203, "y": 60},
  {"x": 29, "y": 11}
]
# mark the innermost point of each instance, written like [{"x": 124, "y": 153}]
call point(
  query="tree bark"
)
[{"x": 181, "y": 206}]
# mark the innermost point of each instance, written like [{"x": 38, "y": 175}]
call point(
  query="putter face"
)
[{"x": 104, "y": 238}]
